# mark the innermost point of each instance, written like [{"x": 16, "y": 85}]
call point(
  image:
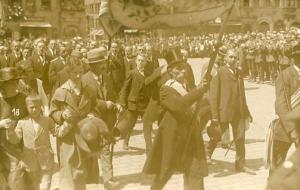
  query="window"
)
[
  {"x": 246, "y": 3},
  {"x": 290, "y": 3},
  {"x": 45, "y": 4}
]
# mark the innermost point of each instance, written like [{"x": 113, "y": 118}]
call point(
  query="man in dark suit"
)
[
  {"x": 41, "y": 65},
  {"x": 51, "y": 50},
  {"x": 115, "y": 72},
  {"x": 286, "y": 85},
  {"x": 228, "y": 106},
  {"x": 3, "y": 56},
  {"x": 102, "y": 107},
  {"x": 128, "y": 60},
  {"x": 15, "y": 55},
  {"x": 56, "y": 66},
  {"x": 178, "y": 145},
  {"x": 134, "y": 97}
]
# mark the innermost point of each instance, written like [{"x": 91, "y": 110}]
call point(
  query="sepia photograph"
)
[{"x": 149, "y": 94}]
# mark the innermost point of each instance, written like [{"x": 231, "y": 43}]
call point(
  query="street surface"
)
[{"x": 222, "y": 176}]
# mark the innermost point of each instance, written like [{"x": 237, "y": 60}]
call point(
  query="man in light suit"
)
[
  {"x": 102, "y": 107},
  {"x": 37, "y": 155},
  {"x": 228, "y": 106}
]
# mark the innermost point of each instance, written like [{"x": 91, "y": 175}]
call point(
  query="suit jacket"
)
[
  {"x": 3, "y": 61},
  {"x": 288, "y": 79},
  {"x": 116, "y": 76},
  {"x": 37, "y": 152},
  {"x": 169, "y": 144},
  {"x": 129, "y": 65},
  {"x": 98, "y": 97},
  {"x": 13, "y": 60},
  {"x": 55, "y": 66},
  {"x": 134, "y": 93},
  {"x": 50, "y": 55},
  {"x": 227, "y": 96},
  {"x": 40, "y": 67}
]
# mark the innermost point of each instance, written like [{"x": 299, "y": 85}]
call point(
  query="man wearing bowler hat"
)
[
  {"x": 12, "y": 109},
  {"x": 178, "y": 145},
  {"x": 102, "y": 108}
]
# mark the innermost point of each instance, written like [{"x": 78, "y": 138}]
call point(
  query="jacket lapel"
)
[
  {"x": 232, "y": 76},
  {"x": 39, "y": 130},
  {"x": 295, "y": 75}
]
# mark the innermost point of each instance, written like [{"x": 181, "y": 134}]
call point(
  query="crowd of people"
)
[{"x": 89, "y": 94}]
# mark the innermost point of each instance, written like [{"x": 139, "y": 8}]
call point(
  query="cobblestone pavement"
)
[{"x": 128, "y": 164}]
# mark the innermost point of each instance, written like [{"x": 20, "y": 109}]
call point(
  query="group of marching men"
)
[{"x": 90, "y": 97}]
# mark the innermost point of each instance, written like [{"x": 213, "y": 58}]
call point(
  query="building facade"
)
[
  {"x": 94, "y": 27},
  {"x": 35, "y": 18},
  {"x": 265, "y": 15}
]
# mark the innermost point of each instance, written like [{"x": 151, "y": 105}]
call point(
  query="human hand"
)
[
  {"x": 203, "y": 85},
  {"x": 6, "y": 123},
  {"x": 69, "y": 116},
  {"x": 109, "y": 104},
  {"x": 120, "y": 108}
]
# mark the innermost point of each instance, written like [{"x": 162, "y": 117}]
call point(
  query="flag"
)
[
  {"x": 110, "y": 26},
  {"x": 146, "y": 14}
]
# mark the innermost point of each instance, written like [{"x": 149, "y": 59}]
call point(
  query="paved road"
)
[{"x": 128, "y": 164}]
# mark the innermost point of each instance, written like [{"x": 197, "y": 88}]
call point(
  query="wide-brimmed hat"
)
[
  {"x": 222, "y": 50},
  {"x": 92, "y": 134},
  {"x": 174, "y": 57},
  {"x": 97, "y": 55},
  {"x": 9, "y": 73}
]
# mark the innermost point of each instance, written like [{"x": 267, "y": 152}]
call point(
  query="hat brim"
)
[{"x": 13, "y": 78}]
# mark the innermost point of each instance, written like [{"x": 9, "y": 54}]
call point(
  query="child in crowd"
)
[{"x": 37, "y": 155}]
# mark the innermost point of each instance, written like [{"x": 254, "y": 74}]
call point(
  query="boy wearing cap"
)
[
  {"x": 12, "y": 109},
  {"x": 33, "y": 131}
]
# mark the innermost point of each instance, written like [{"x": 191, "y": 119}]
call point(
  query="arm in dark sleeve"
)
[
  {"x": 214, "y": 93},
  {"x": 125, "y": 90}
]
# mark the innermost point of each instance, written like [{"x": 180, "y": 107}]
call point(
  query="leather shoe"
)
[
  {"x": 245, "y": 170},
  {"x": 111, "y": 185}
]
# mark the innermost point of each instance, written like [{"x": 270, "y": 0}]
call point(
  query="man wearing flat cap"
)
[
  {"x": 178, "y": 131},
  {"x": 102, "y": 107},
  {"x": 286, "y": 88},
  {"x": 12, "y": 109}
]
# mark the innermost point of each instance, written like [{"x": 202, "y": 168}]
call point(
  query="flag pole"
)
[
  {"x": 187, "y": 144},
  {"x": 219, "y": 41}
]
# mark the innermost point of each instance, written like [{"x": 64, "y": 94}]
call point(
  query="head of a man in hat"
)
[
  {"x": 176, "y": 64},
  {"x": 97, "y": 59},
  {"x": 9, "y": 79}
]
